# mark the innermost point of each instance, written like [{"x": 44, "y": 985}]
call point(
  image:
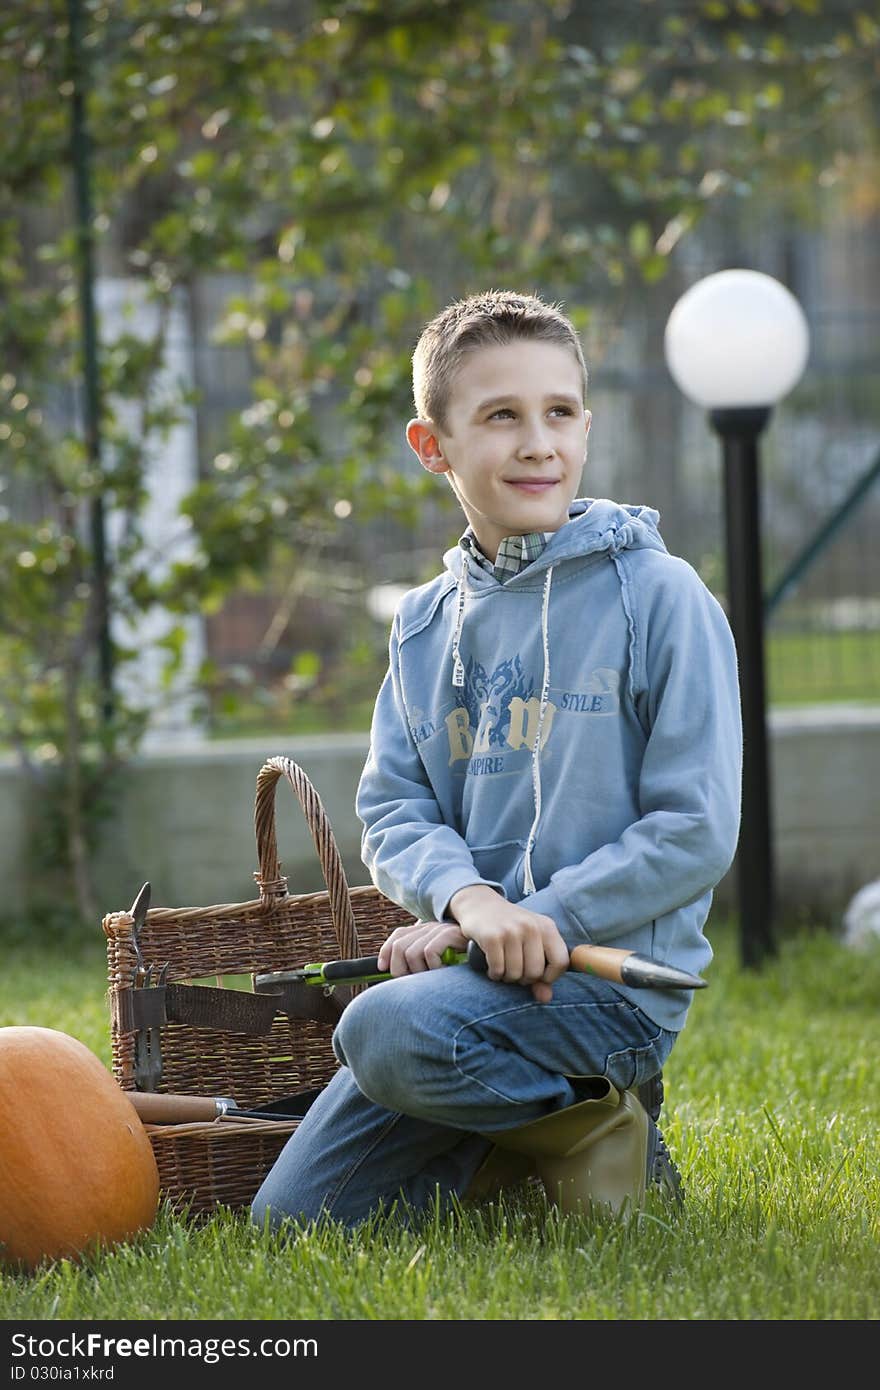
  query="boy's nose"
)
[{"x": 536, "y": 444}]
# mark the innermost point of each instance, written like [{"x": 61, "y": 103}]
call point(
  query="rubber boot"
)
[{"x": 594, "y": 1151}]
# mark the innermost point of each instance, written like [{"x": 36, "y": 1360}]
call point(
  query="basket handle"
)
[{"x": 269, "y": 878}]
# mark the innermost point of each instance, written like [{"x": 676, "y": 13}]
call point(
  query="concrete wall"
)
[
  {"x": 825, "y": 769},
  {"x": 183, "y": 818}
]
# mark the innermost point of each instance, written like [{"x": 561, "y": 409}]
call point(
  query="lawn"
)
[
  {"x": 817, "y": 668},
  {"x": 773, "y": 1102}
]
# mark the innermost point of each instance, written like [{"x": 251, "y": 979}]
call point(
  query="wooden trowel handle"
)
[
  {"x": 604, "y": 961},
  {"x": 157, "y": 1109}
]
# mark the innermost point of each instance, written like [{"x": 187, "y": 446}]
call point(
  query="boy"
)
[{"x": 555, "y": 758}]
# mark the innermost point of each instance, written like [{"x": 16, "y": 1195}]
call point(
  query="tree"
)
[{"x": 357, "y": 163}]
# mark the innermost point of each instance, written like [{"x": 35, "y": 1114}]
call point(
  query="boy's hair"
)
[{"x": 490, "y": 319}]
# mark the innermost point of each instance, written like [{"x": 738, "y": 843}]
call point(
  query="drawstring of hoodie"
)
[
  {"x": 528, "y": 881},
  {"x": 457, "y": 663}
]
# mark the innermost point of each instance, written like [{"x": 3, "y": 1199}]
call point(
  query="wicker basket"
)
[{"x": 223, "y": 1162}]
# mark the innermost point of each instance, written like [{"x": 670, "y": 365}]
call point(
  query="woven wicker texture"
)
[{"x": 223, "y": 1162}]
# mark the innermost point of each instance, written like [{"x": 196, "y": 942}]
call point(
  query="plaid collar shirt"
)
[{"x": 514, "y": 552}]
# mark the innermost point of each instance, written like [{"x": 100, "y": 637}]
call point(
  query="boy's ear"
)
[
  {"x": 421, "y": 436},
  {"x": 588, "y": 419}
]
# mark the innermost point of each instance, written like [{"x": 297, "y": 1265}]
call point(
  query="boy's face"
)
[{"x": 516, "y": 442}]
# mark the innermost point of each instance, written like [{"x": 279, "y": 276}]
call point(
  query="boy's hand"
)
[
  {"x": 419, "y": 947},
  {"x": 521, "y": 947}
]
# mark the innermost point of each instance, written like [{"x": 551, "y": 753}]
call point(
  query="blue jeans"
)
[{"x": 431, "y": 1064}]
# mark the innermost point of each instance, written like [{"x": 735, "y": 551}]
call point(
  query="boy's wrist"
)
[{"x": 471, "y": 896}]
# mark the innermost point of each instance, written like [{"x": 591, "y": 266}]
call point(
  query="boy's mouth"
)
[{"x": 533, "y": 486}]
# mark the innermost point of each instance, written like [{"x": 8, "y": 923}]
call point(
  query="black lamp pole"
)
[{"x": 739, "y": 429}]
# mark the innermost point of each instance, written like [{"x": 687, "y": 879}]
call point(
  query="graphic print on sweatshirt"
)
[{"x": 501, "y": 712}]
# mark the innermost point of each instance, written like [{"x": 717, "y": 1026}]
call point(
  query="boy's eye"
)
[{"x": 554, "y": 410}]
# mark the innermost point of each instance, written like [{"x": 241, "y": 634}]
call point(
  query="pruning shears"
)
[{"x": 361, "y": 970}]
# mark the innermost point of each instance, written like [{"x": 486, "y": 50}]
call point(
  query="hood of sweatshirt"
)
[
  {"x": 594, "y": 527},
  {"x": 594, "y": 524}
]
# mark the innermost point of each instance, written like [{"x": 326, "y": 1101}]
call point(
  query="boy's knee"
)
[
  {"x": 366, "y": 1043},
  {"x": 376, "y": 1038},
  {"x": 358, "y": 1031}
]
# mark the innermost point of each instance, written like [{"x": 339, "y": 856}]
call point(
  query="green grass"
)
[
  {"x": 816, "y": 668},
  {"x": 773, "y": 1102},
  {"x": 252, "y": 720}
]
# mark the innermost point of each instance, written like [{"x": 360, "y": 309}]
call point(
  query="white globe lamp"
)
[{"x": 737, "y": 339}]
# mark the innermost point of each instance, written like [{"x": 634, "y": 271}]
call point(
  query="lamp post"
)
[{"x": 736, "y": 343}]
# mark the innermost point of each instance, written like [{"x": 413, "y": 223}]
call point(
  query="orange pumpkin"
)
[{"x": 77, "y": 1170}]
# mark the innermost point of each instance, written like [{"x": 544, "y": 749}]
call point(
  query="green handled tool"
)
[
  {"x": 362, "y": 970},
  {"x": 608, "y": 962}
]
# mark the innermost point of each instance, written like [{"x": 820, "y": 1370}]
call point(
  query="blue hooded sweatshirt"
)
[{"x": 571, "y": 738}]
